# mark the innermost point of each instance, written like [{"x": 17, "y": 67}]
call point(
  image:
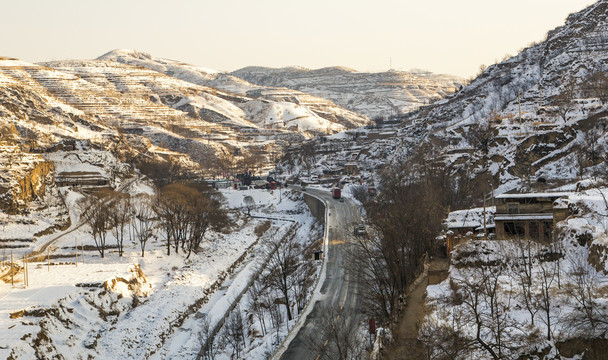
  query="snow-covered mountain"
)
[
  {"x": 309, "y": 108},
  {"x": 373, "y": 94},
  {"x": 158, "y": 108},
  {"x": 533, "y": 115},
  {"x": 538, "y": 115}
]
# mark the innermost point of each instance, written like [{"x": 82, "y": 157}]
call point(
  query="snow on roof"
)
[
  {"x": 470, "y": 218},
  {"x": 464, "y": 224},
  {"x": 488, "y": 226},
  {"x": 524, "y": 217},
  {"x": 534, "y": 195}
]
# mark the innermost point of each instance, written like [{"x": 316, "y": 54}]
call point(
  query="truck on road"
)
[{"x": 336, "y": 193}]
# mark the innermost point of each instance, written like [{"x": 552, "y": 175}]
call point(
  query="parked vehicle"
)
[{"x": 360, "y": 229}]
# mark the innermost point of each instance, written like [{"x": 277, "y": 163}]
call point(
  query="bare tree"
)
[
  {"x": 360, "y": 193},
  {"x": 478, "y": 292},
  {"x": 257, "y": 305},
  {"x": 591, "y": 143},
  {"x": 142, "y": 224},
  {"x": 234, "y": 332},
  {"x": 282, "y": 266},
  {"x": 368, "y": 260},
  {"x": 339, "y": 338},
  {"x": 598, "y": 84},
  {"x": 548, "y": 274},
  {"x": 186, "y": 212},
  {"x": 249, "y": 204},
  {"x": 445, "y": 341},
  {"x": 276, "y": 317},
  {"x": 588, "y": 317},
  {"x": 96, "y": 214},
  {"x": 208, "y": 341},
  {"x": 406, "y": 216},
  {"x": 523, "y": 268},
  {"x": 120, "y": 216},
  {"x": 171, "y": 208},
  {"x": 302, "y": 283},
  {"x": 480, "y": 136},
  {"x": 205, "y": 212},
  {"x": 564, "y": 101}
]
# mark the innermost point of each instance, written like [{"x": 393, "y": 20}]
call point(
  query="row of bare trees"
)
[
  {"x": 184, "y": 212},
  {"x": 283, "y": 285},
  {"x": 406, "y": 217}
]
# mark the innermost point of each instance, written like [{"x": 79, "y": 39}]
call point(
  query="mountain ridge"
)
[{"x": 373, "y": 94}]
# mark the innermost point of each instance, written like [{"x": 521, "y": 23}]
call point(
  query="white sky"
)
[{"x": 444, "y": 36}]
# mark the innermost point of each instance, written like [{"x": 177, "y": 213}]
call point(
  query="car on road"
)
[
  {"x": 341, "y": 199},
  {"x": 360, "y": 229}
]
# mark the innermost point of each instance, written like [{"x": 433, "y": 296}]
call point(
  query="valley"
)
[{"x": 157, "y": 209}]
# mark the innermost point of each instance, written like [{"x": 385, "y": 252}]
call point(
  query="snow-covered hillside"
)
[
  {"x": 373, "y": 94},
  {"x": 534, "y": 115},
  {"x": 130, "y": 100},
  {"x": 77, "y": 304},
  {"x": 316, "y": 107},
  {"x": 539, "y": 115}
]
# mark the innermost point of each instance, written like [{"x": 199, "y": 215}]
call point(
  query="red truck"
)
[{"x": 337, "y": 193}]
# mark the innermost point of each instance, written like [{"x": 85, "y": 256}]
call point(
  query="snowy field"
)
[{"x": 149, "y": 306}]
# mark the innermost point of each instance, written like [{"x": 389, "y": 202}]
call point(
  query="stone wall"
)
[{"x": 317, "y": 207}]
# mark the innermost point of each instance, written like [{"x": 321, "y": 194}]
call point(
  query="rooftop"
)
[{"x": 534, "y": 195}]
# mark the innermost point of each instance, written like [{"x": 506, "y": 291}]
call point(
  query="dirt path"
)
[{"x": 406, "y": 344}]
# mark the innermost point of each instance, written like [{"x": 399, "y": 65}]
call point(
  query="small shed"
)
[{"x": 222, "y": 184}]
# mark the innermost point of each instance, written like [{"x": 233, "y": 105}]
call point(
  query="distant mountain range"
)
[
  {"x": 373, "y": 94},
  {"x": 155, "y": 107}
]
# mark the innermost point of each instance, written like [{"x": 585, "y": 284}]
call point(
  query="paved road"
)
[{"x": 339, "y": 288}]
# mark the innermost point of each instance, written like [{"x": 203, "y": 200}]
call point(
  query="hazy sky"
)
[{"x": 444, "y": 36}]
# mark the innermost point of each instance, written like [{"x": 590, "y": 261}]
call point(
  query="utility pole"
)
[
  {"x": 485, "y": 230},
  {"x": 24, "y": 272},
  {"x": 540, "y": 89},
  {"x": 519, "y": 103}
]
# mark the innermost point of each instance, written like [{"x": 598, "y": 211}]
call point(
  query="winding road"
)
[{"x": 339, "y": 287}]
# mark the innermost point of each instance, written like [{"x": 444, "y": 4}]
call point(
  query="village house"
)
[
  {"x": 529, "y": 216},
  {"x": 81, "y": 179},
  {"x": 351, "y": 169}
]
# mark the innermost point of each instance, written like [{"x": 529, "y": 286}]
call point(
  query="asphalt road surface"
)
[{"x": 339, "y": 288}]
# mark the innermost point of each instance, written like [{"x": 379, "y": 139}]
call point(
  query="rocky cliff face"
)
[{"x": 24, "y": 178}]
